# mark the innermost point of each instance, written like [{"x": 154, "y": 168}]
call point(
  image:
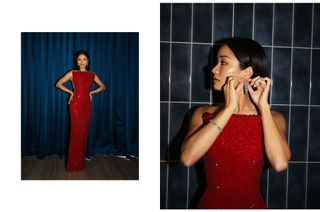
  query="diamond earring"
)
[{"x": 246, "y": 82}]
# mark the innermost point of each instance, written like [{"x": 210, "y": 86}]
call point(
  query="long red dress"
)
[
  {"x": 233, "y": 165},
  {"x": 80, "y": 112}
]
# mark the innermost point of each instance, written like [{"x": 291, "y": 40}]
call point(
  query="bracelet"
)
[{"x": 215, "y": 124}]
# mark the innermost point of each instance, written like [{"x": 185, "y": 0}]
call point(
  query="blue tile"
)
[
  {"x": 302, "y": 26},
  {"x": 283, "y": 24},
  {"x": 222, "y": 21},
  {"x": 201, "y": 73},
  {"x": 180, "y": 72},
  {"x": 177, "y": 186},
  {"x": 267, "y": 50},
  {"x": 300, "y": 76},
  {"x": 202, "y": 22},
  {"x": 277, "y": 189},
  {"x": 164, "y": 71},
  {"x": 263, "y": 23},
  {"x": 281, "y": 76},
  {"x": 163, "y": 130},
  {"x": 181, "y": 22},
  {"x": 296, "y": 185},
  {"x": 163, "y": 185},
  {"x": 299, "y": 133},
  {"x": 243, "y": 20},
  {"x": 165, "y": 12},
  {"x": 314, "y": 134},
  {"x": 313, "y": 186},
  {"x": 316, "y": 26},
  {"x": 197, "y": 183},
  {"x": 315, "y": 79},
  {"x": 179, "y": 125}
]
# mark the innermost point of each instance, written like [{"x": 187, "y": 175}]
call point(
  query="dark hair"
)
[
  {"x": 75, "y": 58},
  {"x": 249, "y": 53}
]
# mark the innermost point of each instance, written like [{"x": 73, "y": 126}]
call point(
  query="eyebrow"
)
[{"x": 224, "y": 56}]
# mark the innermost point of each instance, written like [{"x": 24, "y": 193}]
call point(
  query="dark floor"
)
[{"x": 98, "y": 168}]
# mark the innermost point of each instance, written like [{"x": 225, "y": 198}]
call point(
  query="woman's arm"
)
[
  {"x": 64, "y": 79},
  {"x": 275, "y": 142},
  {"x": 100, "y": 83},
  {"x": 274, "y": 125},
  {"x": 199, "y": 139}
]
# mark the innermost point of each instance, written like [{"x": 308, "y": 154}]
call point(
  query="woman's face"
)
[
  {"x": 227, "y": 65},
  {"x": 82, "y": 61}
]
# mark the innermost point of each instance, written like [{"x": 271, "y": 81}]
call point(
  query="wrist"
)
[
  {"x": 228, "y": 110},
  {"x": 264, "y": 108}
]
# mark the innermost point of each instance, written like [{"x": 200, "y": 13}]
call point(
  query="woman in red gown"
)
[
  {"x": 233, "y": 137},
  {"x": 80, "y": 108}
]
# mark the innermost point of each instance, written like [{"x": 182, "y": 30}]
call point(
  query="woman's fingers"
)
[
  {"x": 250, "y": 89},
  {"x": 252, "y": 81},
  {"x": 240, "y": 86}
]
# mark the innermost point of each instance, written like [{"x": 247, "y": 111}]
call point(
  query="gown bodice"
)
[{"x": 234, "y": 164}]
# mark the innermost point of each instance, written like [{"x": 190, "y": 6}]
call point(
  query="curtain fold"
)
[{"x": 44, "y": 110}]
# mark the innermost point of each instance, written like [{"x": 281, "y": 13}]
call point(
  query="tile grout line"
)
[
  {"x": 268, "y": 46},
  {"x": 212, "y": 40},
  {"x": 309, "y": 109},
  {"x": 272, "y": 43},
  {"x": 282, "y": 105},
  {"x": 169, "y": 98},
  {"x": 253, "y": 17},
  {"x": 190, "y": 95},
  {"x": 290, "y": 98}
]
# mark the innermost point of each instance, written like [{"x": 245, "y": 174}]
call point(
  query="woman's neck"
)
[
  {"x": 245, "y": 105},
  {"x": 82, "y": 69}
]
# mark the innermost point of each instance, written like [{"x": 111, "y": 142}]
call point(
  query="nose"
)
[{"x": 215, "y": 69}]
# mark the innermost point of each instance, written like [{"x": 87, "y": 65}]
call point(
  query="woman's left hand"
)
[
  {"x": 260, "y": 95},
  {"x": 90, "y": 97}
]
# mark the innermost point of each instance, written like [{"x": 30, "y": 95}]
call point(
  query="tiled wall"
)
[{"x": 290, "y": 35}]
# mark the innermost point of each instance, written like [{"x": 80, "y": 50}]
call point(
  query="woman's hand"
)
[
  {"x": 260, "y": 95},
  {"x": 70, "y": 98},
  {"x": 232, "y": 89},
  {"x": 90, "y": 94}
]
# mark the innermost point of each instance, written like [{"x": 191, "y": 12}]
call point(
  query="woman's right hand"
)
[
  {"x": 70, "y": 98},
  {"x": 232, "y": 89}
]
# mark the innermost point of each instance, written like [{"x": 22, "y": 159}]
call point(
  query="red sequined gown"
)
[
  {"x": 80, "y": 112},
  {"x": 233, "y": 165}
]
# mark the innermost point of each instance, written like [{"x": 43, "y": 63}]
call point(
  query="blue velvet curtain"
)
[{"x": 45, "y": 117}]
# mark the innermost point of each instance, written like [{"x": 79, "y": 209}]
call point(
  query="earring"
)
[{"x": 246, "y": 83}]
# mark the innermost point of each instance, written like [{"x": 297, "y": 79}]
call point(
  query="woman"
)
[
  {"x": 80, "y": 107},
  {"x": 234, "y": 137}
]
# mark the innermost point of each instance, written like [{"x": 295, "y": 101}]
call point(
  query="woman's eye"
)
[{"x": 223, "y": 63}]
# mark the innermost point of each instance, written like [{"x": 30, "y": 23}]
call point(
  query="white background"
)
[{"x": 79, "y": 16}]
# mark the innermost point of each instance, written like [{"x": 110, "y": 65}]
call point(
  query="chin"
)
[{"x": 217, "y": 88}]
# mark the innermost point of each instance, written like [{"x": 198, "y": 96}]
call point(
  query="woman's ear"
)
[{"x": 247, "y": 72}]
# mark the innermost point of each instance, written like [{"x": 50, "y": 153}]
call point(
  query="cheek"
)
[{"x": 229, "y": 71}]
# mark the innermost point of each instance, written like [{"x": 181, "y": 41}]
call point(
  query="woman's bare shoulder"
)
[
  {"x": 202, "y": 109},
  {"x": 279, "y": 120},
  {"x": 277, "y": 115}
]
